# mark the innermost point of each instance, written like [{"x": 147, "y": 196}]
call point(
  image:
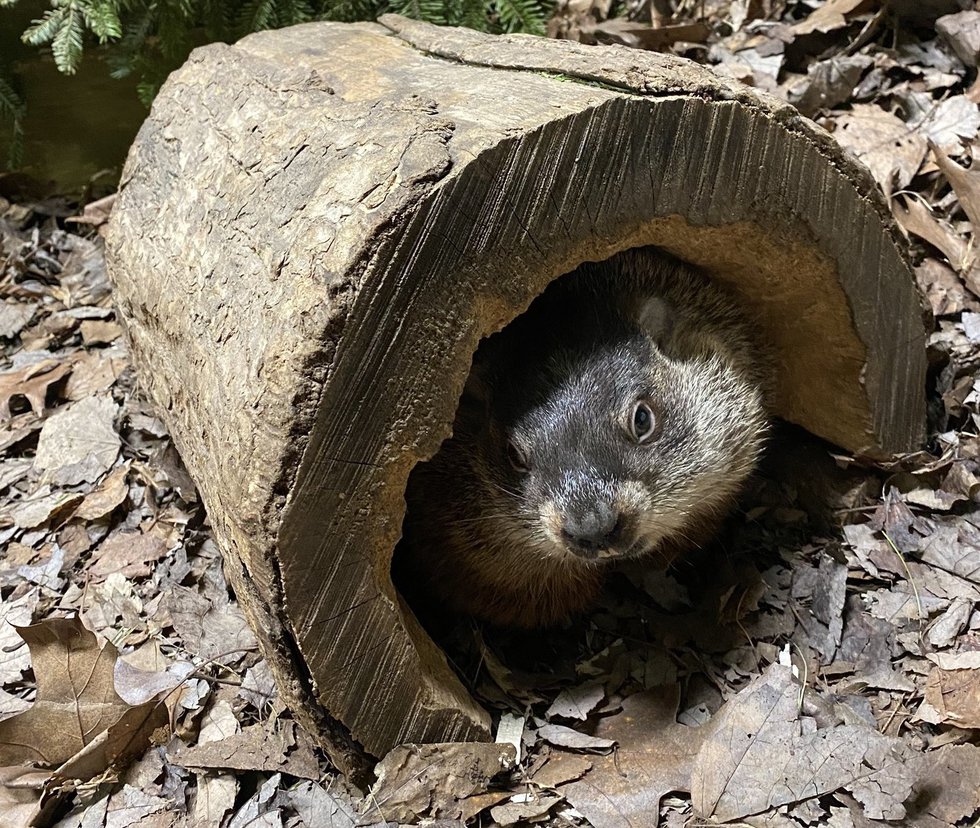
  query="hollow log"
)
[{"x": 316, "y": 227}]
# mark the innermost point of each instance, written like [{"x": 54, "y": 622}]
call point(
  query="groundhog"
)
[{"x": 617, "y": 418}]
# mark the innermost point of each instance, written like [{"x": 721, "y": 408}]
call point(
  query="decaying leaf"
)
[
  {"x": 274, "y": 746},
  {"x": 890, "y": 148},
  {"x": 654, "y": 757},
  {"x": 759, "y": 756},
  {"x": 79, "y": 443},
  {"x": 955, "y": 696},
  {"x": 431, "y": 780},
  {"x": 32, "y": 383}
]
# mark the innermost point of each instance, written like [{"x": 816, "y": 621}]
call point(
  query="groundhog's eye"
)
[
  {"x": 643, "y": 425},
  {"x": 517, "y": 457}
]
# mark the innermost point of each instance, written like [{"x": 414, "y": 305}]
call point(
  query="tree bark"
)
[{"x": 316, "y": 227}]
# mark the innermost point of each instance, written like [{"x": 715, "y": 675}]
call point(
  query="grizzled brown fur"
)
[{"x": 617, "y": 418}]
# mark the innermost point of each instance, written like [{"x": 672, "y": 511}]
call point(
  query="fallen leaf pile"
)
[
  {"x": 819, "y": 669},
  {"x": 106, "y": 548}
]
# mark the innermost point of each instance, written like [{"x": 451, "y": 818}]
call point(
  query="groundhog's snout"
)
[{"x": 589, "y": 531}]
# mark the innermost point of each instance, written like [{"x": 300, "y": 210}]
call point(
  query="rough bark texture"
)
[{"x": 316, "y": 227}]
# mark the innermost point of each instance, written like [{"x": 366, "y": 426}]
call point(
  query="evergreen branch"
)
[
  {"x": 44, "y": 30},
  {"x": 66, "y": 46}
]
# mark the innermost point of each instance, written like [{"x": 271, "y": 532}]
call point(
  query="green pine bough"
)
[{"x": 150, "y": 38}]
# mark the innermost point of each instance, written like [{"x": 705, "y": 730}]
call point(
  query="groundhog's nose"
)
[{"x": 598, "y": 528}]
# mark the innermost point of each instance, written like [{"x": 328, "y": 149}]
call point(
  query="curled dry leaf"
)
[
  {"x": 31, "y": 383},
  {"x": 916, "y": 218},
  {"x": 965, "y": 182}
]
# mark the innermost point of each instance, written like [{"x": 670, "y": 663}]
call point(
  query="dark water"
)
[{"x": 77, "y": 127}]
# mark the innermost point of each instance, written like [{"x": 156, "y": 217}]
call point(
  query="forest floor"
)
[{"x": 820, "y": 667}]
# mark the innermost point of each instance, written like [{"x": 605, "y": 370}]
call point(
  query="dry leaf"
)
[
  {"x": 759, "y": 757},
  {"x": 14, "y": 654},
  {"x": 916, "y": 219},
  {"x": 95, "y": 374},
  {"x": 80, "y": 443},
  {"x": 562, "y": 768},
  {"x": 132, "y": 554},
  {"x": 100, "y": 332},
  {"x": 95, "y": 213},
  {"x": 14, "y": 317},
  {"x": 834, "y": 14},
  {"x": 950, "y": 122},
  {"x": 83, "y": 279},
  {"x": 887, "y": 145},
  {"x": 962, "y": 32},
  {"x": 274, "y": 746},
  {"x": 577, "y": 702},
  {"x": 31, "y": 383},
  {"x": 211, "y": 630},
  {"x": 828, "y": 83},
  {"x": 965, "y": 182},
  {"x": 524, "y": 808},
  {"x": 561, "y": 736},
  {"x": 955, "y": 695},
  {"x": 654, "y": 757},
  {"x": 76, "y": 698},
  {"x": 43, "y": 507},
  {"x": 111, "y": 493},
  {"x": 318, "y": 808},
  {"x": 430, "y": 780}
]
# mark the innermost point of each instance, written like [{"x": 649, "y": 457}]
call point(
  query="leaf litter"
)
[{"x": 824, "y": 673}]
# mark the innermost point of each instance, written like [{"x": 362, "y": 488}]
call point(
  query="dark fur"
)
[{"x": 561, "y": 382}]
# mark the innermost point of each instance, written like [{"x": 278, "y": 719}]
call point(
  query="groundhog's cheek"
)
[{"x": 550, "y": 521}]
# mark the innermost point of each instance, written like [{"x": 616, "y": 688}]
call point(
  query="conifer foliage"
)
[{"x": 150, "y": 38}]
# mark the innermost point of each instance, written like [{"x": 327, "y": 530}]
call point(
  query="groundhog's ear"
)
[{"x": 656, "y": 318}]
